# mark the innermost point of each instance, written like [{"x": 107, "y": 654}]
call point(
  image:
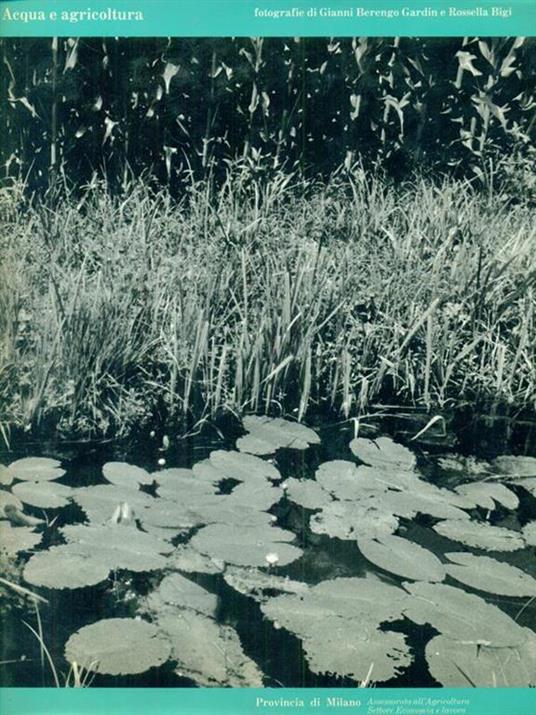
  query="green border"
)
[
  {"x": 220, "y": 18},
  {"x": 223, "y": 18},
  {"x": 244, "y": 701}
]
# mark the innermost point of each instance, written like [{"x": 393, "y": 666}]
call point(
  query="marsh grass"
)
[{"x": 261, "y": 295}]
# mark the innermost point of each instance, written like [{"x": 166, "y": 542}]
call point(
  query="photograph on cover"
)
[{"x": 267, "y": 362}]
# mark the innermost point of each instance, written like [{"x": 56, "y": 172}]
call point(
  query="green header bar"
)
[
  {"x": 270, "y": 18},
  {"x": 245, "y": 701}
]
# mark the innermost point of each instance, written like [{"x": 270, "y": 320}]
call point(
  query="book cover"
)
[{"x": 267, "y": 357}]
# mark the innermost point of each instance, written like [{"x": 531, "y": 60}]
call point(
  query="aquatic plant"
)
[
  {"x": 456, "y": 664},
  {"x": 222, "y": 519},
  {"x": 117, "y": 646},
  {"x": 279, "y": 322},
  {"x": 266, "y": 435}
]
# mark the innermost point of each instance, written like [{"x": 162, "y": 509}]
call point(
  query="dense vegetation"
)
[
  {"x": 255, "y": 295},
  {"x": 196, "y": 225},
  {"x": 81, "y": 105}
]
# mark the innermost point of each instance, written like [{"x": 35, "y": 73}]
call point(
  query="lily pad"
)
[
  {"x": 307, "y": 493},
  {"x": 366, "y": 599},
  {"x": 261, "y": 585},
  {"x": 408, "y": 504},
  {"x": 459, "y": 665},
  {"x": 176, "y": 590},
  {"x": 43, "y": 495},
  {"x": 224, "y": 510},
  {"x": 119, "y": 547},
  {"x": 383, "y": 452},
  {"x": 126, "y": 475},
  {"x": 465, "y": 466},
  {"x": 118, "y": 646},
  {"x": 485, "y": 494},
  {"x": 344, "y": 480},
  {"x": 8, "y": 498},
  {"x": 64, "y": 567},
  {"x": 99, "y": 502},
  {"x": 339, "y": 624},
  {"x": 36, "y": 469},
  {"x": 266, "y": 435},
  {"x": 243, "y": 467},
  {"x": 349, "y": 520},
  {"x": 246, "y": 545},
  {"x": 480, "y": 536},
  {"x": 352, "y": 650},
  {"x": 527, "y": 483},
  {"x": 208, "y": 653},
  {"x": 6, "y": 477},
  {"x": 516, "y": 466},
  {"x": 186, "y": 558},
  {"x": 402, "y": 557},
  {"x": 462, "y": 616},
  {"x": 17, "y": 538},
  {"x": 529, "y": 533},
  {"x": 486, "y": 574},
  {"x": 181, "y": 485}
]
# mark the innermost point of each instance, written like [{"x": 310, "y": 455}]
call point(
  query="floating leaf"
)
[
  {"x": 180, "y": 484},
  {"x": 382, "y": 452},
  {"x": 8, "y": 498},
  {"x": 351, "y": 650},
  {"x": 99, "y": 502},
  {"x": 516, "y": 466},
  {"x": 43, "y": 495},
  {"x": 126, "y": 475},
  {"x": 409, "y": 504},
  {"x": 208, "y": 653},
  {"x": 36, "y": 469},
  {"x": 64, "y": 567},
  {"x": 178, "y": 591},
  {"x": 339, "y": 623},
  {"x": 118, "y": 547},
  {"x": 464, "y": 466},
  {"x": 223, "y": 510},
  {"x": 243, "y": 467},
  {"x": 462, "y": 665},
  {"x": 527, "y": 483},
  {"x": 118, "y": 646},
  {"x": 462, "y": 616},
  {"x": 348, "y": 520},
  {"x": 186, "y": 558},
  {"x": 259, "y": 584},
  {"x": 246, "y": 545},
  {"x": 402, "y": 557},
  {"x": 485, "y": 494},
  {"x": 344, "y": 480},
  {"x": 486, "y": 574},
  {"x": 529, "y": 533},
  {"x": 481, "y": 536},
  {"x": 6, "y": 477},
  {"x": 266, "y": 435},
  {"x": 307, "y": 493},
  {"x": 17, "y": 538}
]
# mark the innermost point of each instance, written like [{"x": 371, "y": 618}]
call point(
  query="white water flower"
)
[{"x": 271, "y": 559}]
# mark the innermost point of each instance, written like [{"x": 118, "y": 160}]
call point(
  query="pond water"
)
[{"x": 287, "y": 557}]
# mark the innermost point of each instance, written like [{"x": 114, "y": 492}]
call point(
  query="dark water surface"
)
[{"x": 278, "y": 653}]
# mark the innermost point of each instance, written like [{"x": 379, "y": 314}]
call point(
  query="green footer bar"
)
[{"x": 217, "y": 701}]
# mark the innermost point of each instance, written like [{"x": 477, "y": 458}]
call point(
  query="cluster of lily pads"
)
[{"x": 215, "y": 519}]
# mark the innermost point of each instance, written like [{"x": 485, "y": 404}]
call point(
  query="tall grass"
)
[{"x": 262, "y": 295}]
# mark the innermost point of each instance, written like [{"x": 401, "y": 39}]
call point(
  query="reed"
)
[{"x": 262, "y": 295}]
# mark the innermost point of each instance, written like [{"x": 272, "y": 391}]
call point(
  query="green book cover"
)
[{"x": 267, "y": 357}]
